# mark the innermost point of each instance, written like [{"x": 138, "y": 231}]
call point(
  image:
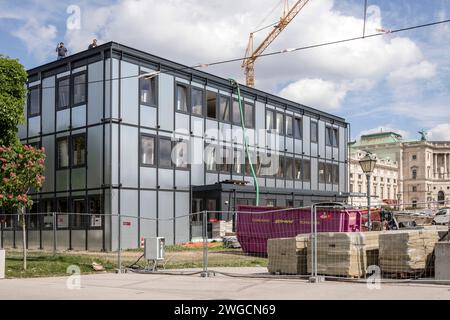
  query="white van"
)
[{"x": 442, "y": 217}]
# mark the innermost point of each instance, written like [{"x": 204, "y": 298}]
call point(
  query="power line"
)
[{"x": 319, "y": 45}]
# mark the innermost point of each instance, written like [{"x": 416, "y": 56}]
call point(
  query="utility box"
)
[
  {"x": 2, "y": 264},
  {"x": 154, "y": 249},
  {"x": 442, "y": 262}
]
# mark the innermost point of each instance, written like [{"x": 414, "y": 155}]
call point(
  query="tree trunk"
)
[{"x": 24, "y": 238}]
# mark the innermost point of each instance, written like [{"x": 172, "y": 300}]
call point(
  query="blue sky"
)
[{"x": 397, "y": 82}]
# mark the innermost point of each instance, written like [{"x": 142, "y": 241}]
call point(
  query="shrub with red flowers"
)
[{"x": 21, "y": 169}]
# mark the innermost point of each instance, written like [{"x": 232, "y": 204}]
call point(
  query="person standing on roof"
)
[
  {"x": 61, "y": 50},
  {"x": 93, "y": 44}
]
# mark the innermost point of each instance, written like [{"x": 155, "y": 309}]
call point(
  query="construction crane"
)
[{"x": 251, "y": 55}]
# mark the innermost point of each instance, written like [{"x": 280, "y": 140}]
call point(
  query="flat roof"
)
[{"x": 117, "y": 50}]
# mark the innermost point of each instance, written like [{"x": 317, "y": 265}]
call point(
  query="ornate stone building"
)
[{"x": 423, "y": 168}]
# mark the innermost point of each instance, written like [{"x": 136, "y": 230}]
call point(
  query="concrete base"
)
[
  {"x": 442, "y": 269},
  {"x": 318, "y": 279},
  {"x": 2, "y": 264}
]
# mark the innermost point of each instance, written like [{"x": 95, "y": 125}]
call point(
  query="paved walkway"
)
[{"x": 144, "y": 286}]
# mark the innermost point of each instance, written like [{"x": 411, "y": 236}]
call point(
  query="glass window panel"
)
[
  {"x": 223, "y": 163},
  {"x": 238, "y": 161},
  {"x": 249, "y": 115},
  {"x": 280, "y": 123},
  {"x": 335, "y": 137},
  {"x": 321, "y": 172},
  {"x": 335, "y": 174},
  {"x": 329, "y": 173},
  {"x": 281, "y": 168},
  {"x": 211, "y": 104},
  {"x": 79, "y": 89},
  {"x": 147, "y": 150},
  {"x": 95, "y": 211},
  {"x": 270, "y": 121},
  {"x": 34, "y": 108},
  {"x": 298, "y": 128},
  {"x": 181, "y": 152},
  {"x": 63, "y": 93},
  {"x": 314, "y": 131},
  {"x": 165, "y": 153},
  {"x": 289, "y": 168},
  {"x": 210, "y": 158},
  {"x": 252, "y": 156},
  {"x": 224, "y": 108},
  {"x": 148, "y": 91},
  {"x": 289, "y": 131},
  {"x": 298, "y": 169},
  {"x": 236, "y": 113},
  {"x": 197, "y": 101},
  {"x": 63, "y": 153},
  {"x": 306, "y": 170},
  {"x": 79, "y": 218},
  {"x": 182, "y": 103},
  {"x": 79, "y": 150}
]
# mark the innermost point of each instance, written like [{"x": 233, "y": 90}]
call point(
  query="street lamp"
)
[{"x": 368, "y": 165}]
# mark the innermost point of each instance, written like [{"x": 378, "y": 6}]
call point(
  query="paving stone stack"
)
[
  {"x": 345, "y": 254},
  {"x": 288, "y": 255},
  {"x": 404, "y": 253}
]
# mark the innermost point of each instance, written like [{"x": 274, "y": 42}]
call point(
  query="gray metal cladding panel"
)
[
  {"x": 78, "y": 178},
  {"x": 270, "y": 183},
  {"x": 260, "y": 116},
  {"x": 298, "y": 146},
  {"x": 306, "y": 185},
  {"x": 107, "y": 163},
  {"x": 129, "y": 161},
  {"x": 279, "y": 183},
  {"x": 148, "y": 213},
  {"x": 129, "y": 218},
  {"x": 34, "y": 126},
  {"x": 166, "y": 102},
  {"x": 342, "y": 144},
  {"x": 181, "y": 179},
  {"x": 223, "y": 177},
  {"x": 95, "y": 240},
  {"x": 95, "y": 157},
  {"x": 289, "y": 184},
  {"x": 108, "y": 103},
  {"x": 335, "y": 153},
  {"x": 115, "y": 155},
  {"x": 165, "y": 178},
  {"x": 115, "y": 89},
  {"x": 95, "y": 92},
  {"x": 342, "y": 177},
  {"x": 290, "y": 145},
  {"x": 197, "y": 174},
  {"x": 148, "y": 116},
  {"x": 182, "y": 209},
  {"x": 306, "y": 134},
  {"x": 197, "y": 126},
  {"x": 182, "y": 123},
  {"x": 62, "y": 180},
  {"x": 225, "y": 131},
  {"x": 211, "y": 129},
  {"x": 322, "y": 186},
  {"x": 314, "y": 174},
  {"x": 262, "y": 182},
  {"x": 148, "y": 177},
  {"x": 79, "y": 239},
  {"x": 63, "y": 120},
  {"x": 165, "y": 210},
  {"x": 329, "y": 152},
  {"x": 129, "y": 93},
  {"x": 314, "y": 150},
  {"x": 49, "y": 144},
  {"x": 321, "y": 149},
  {"x": 211, "y": 178},
  {"x": 79, "y": 117},
  {"x": 48, "y": 105}
]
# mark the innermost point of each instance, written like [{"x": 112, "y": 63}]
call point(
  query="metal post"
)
[
  {"x": 369, "y": 217},
  {"x": 54, "y": 232},
  {"x": 119, "y": 244},
  {"x": 205, "y": 244},
  {"x": 315, "y": 242}
]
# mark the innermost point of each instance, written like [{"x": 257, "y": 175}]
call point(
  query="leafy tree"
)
[
  {"x": 21, "y": 169},
  {"x": 13, "y": 93}
]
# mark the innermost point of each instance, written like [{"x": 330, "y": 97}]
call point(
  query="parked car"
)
[{"x": 442, "y": 217}]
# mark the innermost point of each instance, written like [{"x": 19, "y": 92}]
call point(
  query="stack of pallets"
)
[
  {"x": 407, "y": 253},
  {"x": 288, "y": 255}
]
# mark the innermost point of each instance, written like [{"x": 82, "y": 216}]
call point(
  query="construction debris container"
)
[{"x": 255, "y": 225}]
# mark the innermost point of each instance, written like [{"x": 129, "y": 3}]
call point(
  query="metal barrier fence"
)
[{"x": 313, "y": 242}]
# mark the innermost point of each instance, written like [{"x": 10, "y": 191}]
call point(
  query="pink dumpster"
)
[{"x": 255, "y": 225}]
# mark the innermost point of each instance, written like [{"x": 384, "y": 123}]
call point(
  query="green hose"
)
[{"x": 244, "y": 132}]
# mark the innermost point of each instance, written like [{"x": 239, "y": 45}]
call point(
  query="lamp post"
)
[{"x": 368, "y": 165}]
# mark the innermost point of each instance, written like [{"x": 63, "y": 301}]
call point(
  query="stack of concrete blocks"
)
[
  {"x": 288, "y": 255},
  {"x": 442, "y": 253},
  {"x": 221, "y": 229},
  {"x": 345, "y": 254},
  {"x": 405, "y": 253}
]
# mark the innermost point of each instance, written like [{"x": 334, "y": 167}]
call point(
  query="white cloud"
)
[
  {"x": 440, "y": 132},
  {"x": 421, "y": 71},
  {"x": 316, "y": 92}
]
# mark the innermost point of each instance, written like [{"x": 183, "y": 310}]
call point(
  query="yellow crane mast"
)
[{"x": 251, "y": 55}]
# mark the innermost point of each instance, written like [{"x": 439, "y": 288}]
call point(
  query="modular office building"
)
[{"x": 107, "y": 118}]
